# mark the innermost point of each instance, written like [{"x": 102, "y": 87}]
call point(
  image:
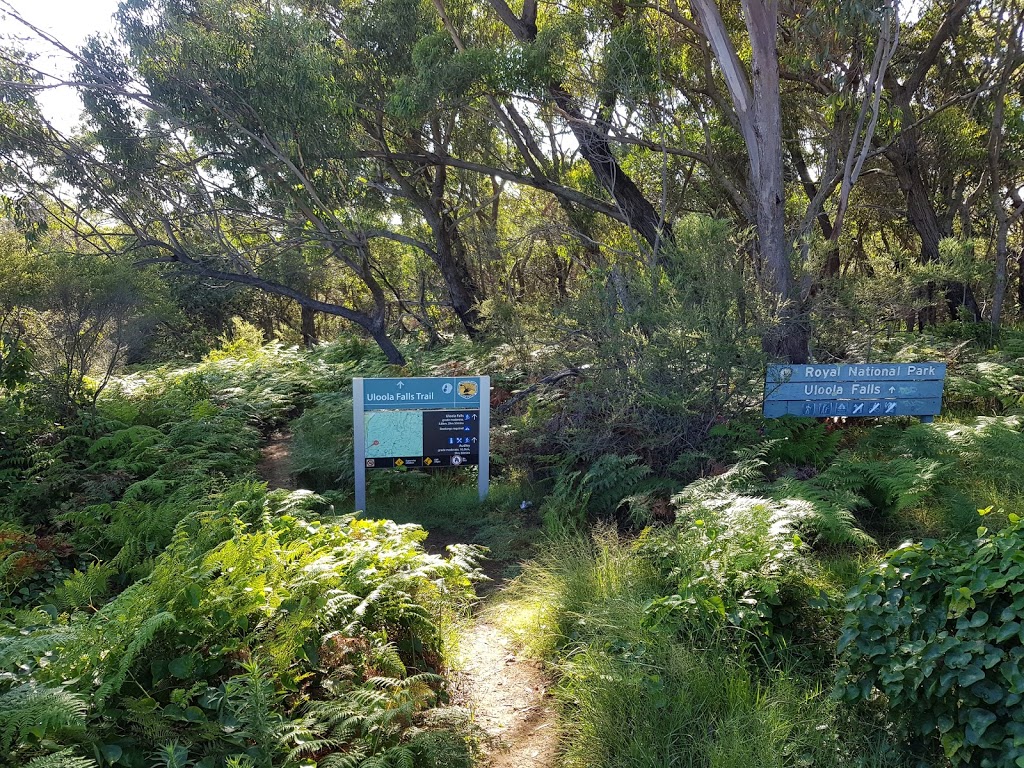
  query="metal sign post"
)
[
  {"x": 855, "y": 390},
  {"x": 359, "y": 442},
  {"x": 421, "y": 423}
]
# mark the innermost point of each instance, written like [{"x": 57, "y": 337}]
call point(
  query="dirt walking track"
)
[{"x": 506, "y": 693}]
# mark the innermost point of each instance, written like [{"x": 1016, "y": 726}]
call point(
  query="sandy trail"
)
[
  {"x": 506, "y": 693},
  {"x": 275, "y": 465},
  {"x": 508, "y": 697}
]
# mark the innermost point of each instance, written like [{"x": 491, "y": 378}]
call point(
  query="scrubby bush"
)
[
  {"x": 735, "y": 567},
  {"x": 255, "y": 601},
  {"x": 649, "y": 676}
]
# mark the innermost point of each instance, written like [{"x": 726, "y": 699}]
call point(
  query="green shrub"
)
[
  {"x": 938, "y": 628},
  {"x": 254, "y": 602},
  {"x": 243, "y": 340},
  {"x": 581, "y": 496},
  {"x": 792, "y": 440},
  {"x": 199, "y": 620},
  {"x": 822, "y": 516},
  {"x": 735, "y": 567},
  {"x": 636, "y": 691}
]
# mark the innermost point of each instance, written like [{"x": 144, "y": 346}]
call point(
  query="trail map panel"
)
[
  {"x": 421, "y": 423},
  {"x": 854, "y": 390},
  {"x": 393, "y": 434},
  {"x": 421, "y": 439}
]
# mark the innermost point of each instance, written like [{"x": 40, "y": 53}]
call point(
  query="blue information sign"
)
[
  {"x": 420, "y": 394},
  {"x": 854, "y": 390},
  {"x": 421, "y": 423}
]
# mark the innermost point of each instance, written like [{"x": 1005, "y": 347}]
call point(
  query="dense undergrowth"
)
[
  {"x": 161, "y": 607},
  {"x": 766, "y": 625},
  {"x": 719, "y": 594}
]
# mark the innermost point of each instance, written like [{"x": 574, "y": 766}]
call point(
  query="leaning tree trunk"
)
[
  {"x": 374, "y": 323},
  {"x": 641, "y": 216},
  {"x": 452, "y": 261},
  {"x": 921, "y": 215},
  {"x": 387, "y": 346}
]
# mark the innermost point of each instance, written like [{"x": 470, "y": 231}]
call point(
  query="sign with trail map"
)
[{"x": 420, "y": 423}]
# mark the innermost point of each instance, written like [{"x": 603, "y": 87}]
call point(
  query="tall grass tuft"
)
[{"x": 636, "y": 694}]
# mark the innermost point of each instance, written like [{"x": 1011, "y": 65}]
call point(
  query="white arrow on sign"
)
[{"x": 400, "y": 385}]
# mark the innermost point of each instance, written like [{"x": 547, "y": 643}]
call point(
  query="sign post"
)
[
  {"x": 855, "y": 390},
  {"x": 421, "y": 423}
]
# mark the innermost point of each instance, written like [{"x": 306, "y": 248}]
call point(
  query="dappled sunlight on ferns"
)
[{"x": 205, "y": 621}]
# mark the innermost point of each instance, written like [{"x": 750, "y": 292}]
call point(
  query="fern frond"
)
[
  {"x": 143, "y": 636},
  {"x": 745, "y": 476},
  {"x": 29, "y": 646},
  {"x": 84, "y": 589},
  {"x": 40, "y": 711},
  {"x": 62, "y": 759},
  {"x": 351, "y": 759}
]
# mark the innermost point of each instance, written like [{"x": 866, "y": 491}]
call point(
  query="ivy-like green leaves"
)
[{"x": 937, "y": 629}]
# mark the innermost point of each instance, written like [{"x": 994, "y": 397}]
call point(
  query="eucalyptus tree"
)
[
  {"x": 903, "y": 149},
  {"x": 1005, "y": 147},
  {"x": 392, "y": 63},
  {"x": 280, "y": 115},
  {"x": 870, "y": 85},
  {"x": 543, "y": 34},
  {"x": 756, "y": 111},
  {"x": 227, "y": 205},
  {"x": 746, "y": 91}
]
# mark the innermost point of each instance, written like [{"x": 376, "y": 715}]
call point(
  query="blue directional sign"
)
[
  {"x": 845, "y": 390},
  {"x": 854, "y": 390}
]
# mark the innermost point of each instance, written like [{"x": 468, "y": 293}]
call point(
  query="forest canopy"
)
[{"x": 431, "y": 165}]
